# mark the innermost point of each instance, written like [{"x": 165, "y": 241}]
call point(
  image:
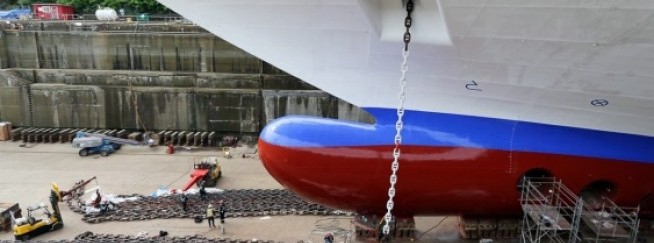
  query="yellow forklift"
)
[{"x": 39, "y": 219}]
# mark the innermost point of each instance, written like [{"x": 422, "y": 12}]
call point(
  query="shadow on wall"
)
[{"x": 226, "y": 103}]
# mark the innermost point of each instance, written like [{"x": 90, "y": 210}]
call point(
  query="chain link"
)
[{"x": 399, "y": 124}]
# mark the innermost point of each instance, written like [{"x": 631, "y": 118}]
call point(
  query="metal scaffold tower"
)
[
  {"x": 609, "y": 222},
  {"x": 553, "y": 213}
]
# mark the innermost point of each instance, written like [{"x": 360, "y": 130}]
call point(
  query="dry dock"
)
[{"x": 28, "y": 171}]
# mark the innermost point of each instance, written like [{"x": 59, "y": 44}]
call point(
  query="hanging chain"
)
[{"x": 399, "y": 124}]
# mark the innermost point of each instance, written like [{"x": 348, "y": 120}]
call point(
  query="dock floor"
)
[{"x": 27, "y": 173}]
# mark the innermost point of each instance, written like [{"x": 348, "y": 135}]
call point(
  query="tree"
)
[
  {"x": 136, "y": 6},
  {"x": 145, "y": 6},
  {"x": 9, "y": 4},
  {"x": 28, "y": 3},
  {"x": 82, "y": 6}
]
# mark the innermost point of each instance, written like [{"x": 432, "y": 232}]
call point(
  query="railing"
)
[
  {"x": 555, "y": 213},
  {"x": 549, "y": 211},
  {"x": 611, "y": 221}
]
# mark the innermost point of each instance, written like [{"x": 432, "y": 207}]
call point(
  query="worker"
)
[
  {"x": 221, "y": 211},
  {"x": 203, "y": 192},
  {"x": 184, "y": 201},
  {"x": 210, "y": 216},
  {"x": 329, "y": 238},
  {"x": 98, "y": 199}
]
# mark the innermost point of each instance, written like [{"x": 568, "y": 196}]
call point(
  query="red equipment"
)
[
  {"x": 170, "y": 149},
  {"x": 196, "y": 176},
  {"x": 207, "y": 171}
]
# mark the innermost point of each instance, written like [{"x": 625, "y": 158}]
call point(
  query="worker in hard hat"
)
[
  {"x": 184, "y": 200},
  {"x": 211, "y": 214},
  {"x": 221, "y": 211},
  {"x": 203, "y": 192}
]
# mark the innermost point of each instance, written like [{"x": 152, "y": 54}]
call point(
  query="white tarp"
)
[{"x": 164, "y": 192}]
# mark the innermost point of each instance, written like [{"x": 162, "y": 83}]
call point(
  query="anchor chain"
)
[
  {"x": 141, "y": 237},
  {"x": 408, "y": 21},
  {"x": 239, "y": 203}
]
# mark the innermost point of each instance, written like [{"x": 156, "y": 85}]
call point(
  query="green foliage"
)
[
  {"x": 9, "y": 4},
  {"x": 89, "y": 6},
  {"x": 28, "y": 3},
  {"x": 83, "y": 6},
  {"x": 134, "y": 6},
  {"x": 145, "y": 6}
]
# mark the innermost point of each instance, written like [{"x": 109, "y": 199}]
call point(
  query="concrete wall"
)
[
  {"x": 3, "y": 53},
  {"x": 155, "y": 76},
  {"x": 14, "y": 98},
  {"x": 278, "y": 103},
  {"x": 226, "y": 103},
  {"x": 60, "y": 105},
  {"x": 196, "y": 52},
  {"x": 157, "y": 46}
]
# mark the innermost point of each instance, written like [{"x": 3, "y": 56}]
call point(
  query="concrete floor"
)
[{"x": 28, "y": 171}]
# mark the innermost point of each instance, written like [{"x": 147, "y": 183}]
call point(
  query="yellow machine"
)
[
  {"x": 39, "y": 219},
  {"x": 214, "y": 172},
  {"x": 206, "y": 173}
]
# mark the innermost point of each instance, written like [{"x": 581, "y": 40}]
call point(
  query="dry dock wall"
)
[
  {"x": 227, "y": 103},
  {"x": 159, "y": 76},
  {"x": 156, "y": 46},
  {"x": 188, "y": 52}
]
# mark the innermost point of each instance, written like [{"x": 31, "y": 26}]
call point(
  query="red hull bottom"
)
[{"x": 442, "y": 180}]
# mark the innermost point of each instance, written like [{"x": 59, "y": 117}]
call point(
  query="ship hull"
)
[
  {"x": 578, "y": 64},
  {"x": 496, "y": 90},
  {"x": 430, "y": 185},
  {"x": 470, "y": 166}
]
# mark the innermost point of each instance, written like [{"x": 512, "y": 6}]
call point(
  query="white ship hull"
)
[
  {"x": 498, "y": 90},
  {"x": 550, "y": 62}
]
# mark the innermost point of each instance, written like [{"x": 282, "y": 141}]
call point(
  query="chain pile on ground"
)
[
  {"x": 92, "y": 237},
  {"x": 238, "y": 203}
]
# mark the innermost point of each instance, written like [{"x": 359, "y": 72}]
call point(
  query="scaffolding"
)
[
  {"x": 609, "y": 222},
  {"x": 553, "y": 213}
]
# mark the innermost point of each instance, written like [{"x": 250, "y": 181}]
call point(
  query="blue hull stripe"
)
[{"x": 449, "y": 130}]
